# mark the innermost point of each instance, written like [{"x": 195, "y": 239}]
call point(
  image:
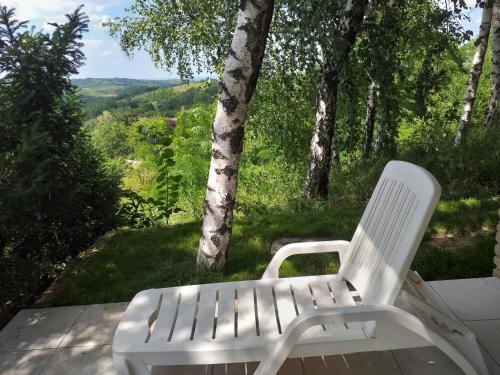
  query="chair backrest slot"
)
[{"x": 390, "y": 230}]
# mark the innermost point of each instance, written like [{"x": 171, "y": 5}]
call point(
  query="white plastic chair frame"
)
[{"x": 165, "y": 326}]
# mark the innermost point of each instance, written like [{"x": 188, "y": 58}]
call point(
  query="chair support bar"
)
[{"x": 388, "y": 314}]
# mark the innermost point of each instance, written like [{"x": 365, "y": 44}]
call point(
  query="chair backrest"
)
[{"x": 390, "y": 231}]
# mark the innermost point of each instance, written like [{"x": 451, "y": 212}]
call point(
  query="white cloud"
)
[
  {"x": 92, "y": 43},
  {"x": 54, "y": 10}
]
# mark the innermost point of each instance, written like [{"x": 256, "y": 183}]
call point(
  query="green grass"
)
[{"x": 134, "y": 260}]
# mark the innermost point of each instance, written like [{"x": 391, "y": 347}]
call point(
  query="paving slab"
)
[
  {"x": 96, "y": 325},
  {"x": 24, "y": 362},
  {"x": 471, "y": 299},
  {"x": 38, "y": 328},
  {"x": 488, "y": 334},
  {"x": 371, "y": 363},
  {"x": 428, "y": 361},
  {"x": 81, "y": 360}
]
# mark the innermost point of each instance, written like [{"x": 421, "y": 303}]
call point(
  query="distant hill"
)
[
  {"x": 170, "y": 100},
  {"x": 112, "y": 87},
  {"x": 148, "y": 97}
]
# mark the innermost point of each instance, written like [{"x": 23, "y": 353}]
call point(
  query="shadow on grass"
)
[{"x": 135, "y": 260}]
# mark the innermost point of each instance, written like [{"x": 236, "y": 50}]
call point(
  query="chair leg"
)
[{"x": 130, "y": 366}]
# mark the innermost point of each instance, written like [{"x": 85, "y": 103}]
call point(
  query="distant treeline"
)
[{"x": 149, "y": 97}]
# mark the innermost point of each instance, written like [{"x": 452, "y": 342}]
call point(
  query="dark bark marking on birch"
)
[
  {"x": 218, "y": 255},
  {"x": 231, "y": 53},
  {"x": 216, "y": 154},
  {"x": 236, "y": 140},
  {"x": 235, "y": 137},
  {"x": 231, "y": 102},
  {"x": 208, "y": 208},
  {"x": 215, "y": 240},
  {"x": 237, "y": 74},
  {"x": 223, "y": 229},
  {"x": 227, "y": 171}
]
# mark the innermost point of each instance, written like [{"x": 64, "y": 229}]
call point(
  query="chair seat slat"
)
[
  {"x": 284, "y": 304},
  {"x": 268, "y": 325},
  {"x": 166, "y": 315},
  {"x": 225, "y": 315},
  {"x": 206, "y": 315},
  {"x": 185, "y": 317},
  {"x": 246, "y": 327}
]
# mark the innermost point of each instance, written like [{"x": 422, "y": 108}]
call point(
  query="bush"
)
[
  {"x": 56, "y": 194},
  {"x": 469, "y": 170}
]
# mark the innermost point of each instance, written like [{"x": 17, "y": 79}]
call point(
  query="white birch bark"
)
[
  {"x": 324, "y": 147},
  {"x": 476, "y": 69},
  {"x": 495, "y": 66},
  {"x": 384, "y": 142},
  {"x": 370, "y": 119},
  {"x": 236, "y": 89}
]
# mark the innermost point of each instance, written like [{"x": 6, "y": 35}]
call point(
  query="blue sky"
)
[{"x": 104, "y": 57}]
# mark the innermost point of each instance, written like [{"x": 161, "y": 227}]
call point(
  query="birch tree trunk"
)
[
  {"x": 476, "y": 69},
  {"x": 237, "y": 86},
  {"x": 324, "y": 147},
  {"x": 386, "y": 134},
  {"x": 324, "y": 130},
  {"x": 495, "y": 65},
  {"x": 370, "y": 119}
]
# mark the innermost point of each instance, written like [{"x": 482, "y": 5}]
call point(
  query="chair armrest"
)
[
  {"x": 388, "y": 314},
  {"x": 272, "y": 271}
]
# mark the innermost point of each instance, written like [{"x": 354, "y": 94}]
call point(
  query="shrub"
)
[{"x": 56, "y": 194}]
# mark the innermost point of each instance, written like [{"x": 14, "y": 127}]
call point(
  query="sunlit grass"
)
[{"x": 134, "y": 260}]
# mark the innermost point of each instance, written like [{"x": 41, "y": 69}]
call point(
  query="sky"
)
[{"x": 104, "y": 57}]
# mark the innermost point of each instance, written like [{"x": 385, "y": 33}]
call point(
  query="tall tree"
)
[
  {"x": 55, "y": 193},
  {"x": 324, "y": 146},
  {"x": 370, "y": 118},
  {"x": 476, "y": 69},
  {"x": 385, "y": 71},
  {"x": 237, "y": 86},
  {"x": 495, "y": 66}
]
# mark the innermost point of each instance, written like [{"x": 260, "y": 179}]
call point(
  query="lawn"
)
[{"x": 459, "y": 243}]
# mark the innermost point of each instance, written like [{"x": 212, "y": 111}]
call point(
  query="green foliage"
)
[
  {"x": 56, "y": 195},
  {"x": 190, "y": 35},
  {"x": 138, "y": 211},
  {"x": 192, "y": 156}
]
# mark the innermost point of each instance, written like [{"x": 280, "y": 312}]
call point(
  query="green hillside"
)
[
  {"x": 146, "y": 98},
  {"x": 170, "y": 100},
  {"x": 109, "y": 87}
]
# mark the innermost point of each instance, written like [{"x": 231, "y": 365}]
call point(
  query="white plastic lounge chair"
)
[{"x": 362, "y": 308}]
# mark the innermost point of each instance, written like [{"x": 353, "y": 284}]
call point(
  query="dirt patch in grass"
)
[{"x": 453, "y": 241}]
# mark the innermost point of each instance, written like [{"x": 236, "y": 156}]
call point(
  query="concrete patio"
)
[{"x": 77, "y": 340}]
